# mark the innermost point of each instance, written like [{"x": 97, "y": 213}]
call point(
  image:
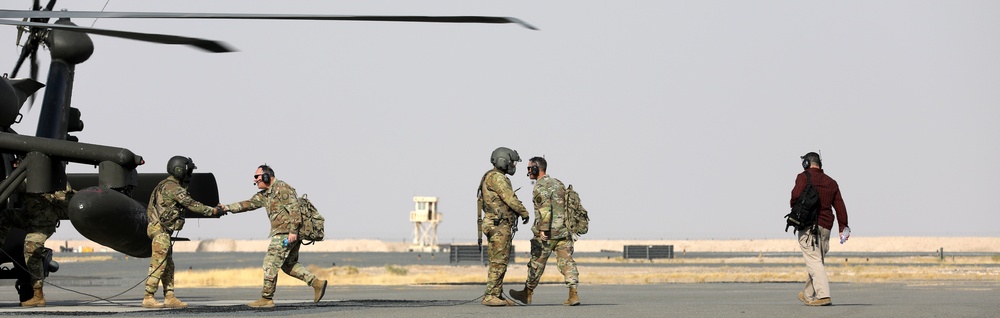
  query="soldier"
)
[
  {"x": 498, "y": 201},
  {"x": 283, "y": 210},
  {"x": 551, "y": 234},
  {"x": 43, "y": 211},
  {"x": 167, "y": 205}
]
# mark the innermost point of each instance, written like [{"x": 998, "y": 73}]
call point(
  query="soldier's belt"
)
[{"x": 502, "y": 221}]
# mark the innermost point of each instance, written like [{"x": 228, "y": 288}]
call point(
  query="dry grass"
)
[
  {"x": 702, "y": 270},
  {"x": 76, "y": 259}
]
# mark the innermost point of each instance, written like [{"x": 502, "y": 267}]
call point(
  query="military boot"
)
[
  {"x": 507, "y": 300},
  {"x": 319, "y": 289},
  {"x": 262, "y": 303},
  {"x": 149, "y": 302},
  {"x": 573, "y": 299},
  {"x": 494, "y": 301},
  {"x": 38, "y": 300},
  {"x": 171, "y": 301},
  {"x": 523, "y": 296}
]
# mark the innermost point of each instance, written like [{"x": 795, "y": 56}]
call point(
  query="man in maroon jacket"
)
[{"x": 815, "y": 245}]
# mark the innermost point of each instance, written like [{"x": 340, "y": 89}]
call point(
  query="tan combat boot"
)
[
  {"x": 319, "y": 289},
  {"x": 818, "y": 302},
  {"x": 573, "y": 299},
  {"x": 262, "y": 303},
  {"x": 494, "y": 301},
  {"x": 523, "y": 296},
  {"x": 171, "y": 301},
  {"x": 507, "y": 300},
  {"x": 149, "y": 302},
  {"x": 38, "y": 300}
]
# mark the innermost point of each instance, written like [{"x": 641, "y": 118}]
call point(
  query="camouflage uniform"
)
[
  {"x": 167, "y": 205},
  {"x": 550, "y": 217},
  {"x": 501, "y": 208},
  {"x": 283, "y": 211},
  {"x": 43, "y": 213}
]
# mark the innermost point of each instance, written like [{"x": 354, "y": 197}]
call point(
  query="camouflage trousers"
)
[
  {"x": 540, "y": 251},
  {"x": 161, "y": 264},
  {"x": 285, "y": 257},
  {"x": 43, "y": 212},
  {"x": 34, "y": 253},
  {"x": 500, "y": 237}
]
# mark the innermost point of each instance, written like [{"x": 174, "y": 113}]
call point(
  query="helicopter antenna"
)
[{"x": 102, "y": 10}]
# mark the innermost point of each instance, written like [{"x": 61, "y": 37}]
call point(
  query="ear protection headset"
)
[
  {"x": 266, "y": 173},
  {"x": 805, "y": 160},
  {"x": 533, "y": 171}
]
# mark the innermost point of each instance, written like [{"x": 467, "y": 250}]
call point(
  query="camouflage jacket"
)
[
  {"x": 499, "y": 200},
  {"x": 168, "y": 203},
  {"x": 282, "y": 207},
  {"x": 549, "y": 197},
  {"x": 44, "y": 210}
]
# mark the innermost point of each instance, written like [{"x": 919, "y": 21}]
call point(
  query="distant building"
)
[{"x": 425, "y": 218}]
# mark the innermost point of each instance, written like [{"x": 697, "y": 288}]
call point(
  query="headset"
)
[
  {"x": 805, "y": 160},
  {"x": 533, "y": 171},
  {"x": 539, "y": 163},
  {"x": 266, "y": 173}
]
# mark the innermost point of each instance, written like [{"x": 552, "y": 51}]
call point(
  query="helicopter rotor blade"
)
[
  {"x": 50, "y": 5},
  {"x": 29, "y": 47},
  {"x": 34, "y": 77},
  {"x": 248, "y": 16},
  {"x": 207, "y": 45}
]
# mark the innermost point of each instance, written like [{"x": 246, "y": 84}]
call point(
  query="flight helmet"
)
[
  {"x": 181, "y": 167},
  {"x": 503, "y": 159}
]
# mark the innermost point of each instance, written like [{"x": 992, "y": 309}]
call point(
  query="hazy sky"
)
[{"x": 672, "y": 119}]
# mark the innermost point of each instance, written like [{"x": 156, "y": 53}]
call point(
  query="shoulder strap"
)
[
  {"x": 479, "y": 209},
  {"x": 479, "y": 191},
  {"x": 566, "y": 207}
]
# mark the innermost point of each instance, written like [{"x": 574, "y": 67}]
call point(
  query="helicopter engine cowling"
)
[
  {"x": 13, "y": 93},
  {"x": 112, "y": 219}
]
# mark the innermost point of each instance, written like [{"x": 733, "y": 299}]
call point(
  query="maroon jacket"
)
[{"x": 829, "y": 196}]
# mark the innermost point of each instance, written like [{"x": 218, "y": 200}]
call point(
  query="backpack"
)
[
  {"x": 805, "y": 212},
  {"x": 577, "y": 220},
  {"x": 313, "y": 224}
]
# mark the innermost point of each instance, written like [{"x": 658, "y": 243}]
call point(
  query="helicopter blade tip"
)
[{"x": 522, "y": 23}]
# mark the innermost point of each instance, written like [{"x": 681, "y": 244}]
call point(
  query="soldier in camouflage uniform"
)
[
  {"x": 551, "y": 234},
  {"x": 167, "y": 205},
  {"x": 501, "y": 206},
  {"x": 282, "y": 206},
  {"x": 43, "y": 213}
]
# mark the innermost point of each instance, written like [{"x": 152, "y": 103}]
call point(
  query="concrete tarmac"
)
[
  {"x": 930, "y": 299},
  {"x": 68, "y": 294}
]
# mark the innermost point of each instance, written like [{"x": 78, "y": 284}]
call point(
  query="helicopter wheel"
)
[{"x": 24, "y": 289}]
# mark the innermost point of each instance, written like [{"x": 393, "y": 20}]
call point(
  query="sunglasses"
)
[{"x": 257, "y": 176}]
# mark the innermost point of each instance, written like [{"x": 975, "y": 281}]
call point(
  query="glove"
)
[{"x": 525, "y": 220}]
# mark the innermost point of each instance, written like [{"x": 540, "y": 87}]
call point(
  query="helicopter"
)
[{"x": 109, "y": 207}]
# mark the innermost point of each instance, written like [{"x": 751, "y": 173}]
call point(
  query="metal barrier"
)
[
  {"x": 648, "y": 251},
  {"x": 459, "y": 253}
]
